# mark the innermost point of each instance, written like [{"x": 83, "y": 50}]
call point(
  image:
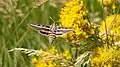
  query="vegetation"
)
[{"x": 95, "y": 41}]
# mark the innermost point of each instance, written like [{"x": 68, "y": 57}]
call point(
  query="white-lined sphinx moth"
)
[{"x": 52, "y": 31}]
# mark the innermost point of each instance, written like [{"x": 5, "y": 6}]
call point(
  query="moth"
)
[{"x": 52, "y": 31}]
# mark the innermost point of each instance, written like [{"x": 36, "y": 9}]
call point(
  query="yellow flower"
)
[
  {"x": 73, "y": 16},
  {"x": 113, "y": 6},
  {"x": 53, "y": 50},
  {"x": 67, "y": 55},
  {"x": 41, "y": 64},
  {"x": 106, "y": 2},
  {"x": 112, "y": 25},
  {"x": 46, "y": 59},
  {"x": 34, "y": 60},
  {"x": 51, "y": 63},
  {"x": 107, "y": 56},
  {"x": 51, "y": 58}
]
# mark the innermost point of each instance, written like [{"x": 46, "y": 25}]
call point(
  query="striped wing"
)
[
  {"x": 39, "y": 26},
  {"x": 42, "y": 29},
  {"x": 52, "y": 31},
  {"x": 62, "y": 30},
  {"x": 47, "y": 29}
]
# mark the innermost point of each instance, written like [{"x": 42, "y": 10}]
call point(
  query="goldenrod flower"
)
[
  {"x": 34, "y": 60},
  {"x": 46, "y": 59},
  {"x": 112, "y": 25},
  {"x": 51, "y": 58},
  {"x": 113, "y": 6},
  {"x": 41, "y": 64},
  {"x": 73, "y": 15},
  {"x": 53, "y": 50},
  {"x": 67, "y": 55},
  {"x": 106, "y": 2},
  {"x": 107, "y": 56},
  {"x": 110, "y": 4}
]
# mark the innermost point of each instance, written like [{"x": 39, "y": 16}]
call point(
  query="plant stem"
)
[{"x": 76, "y": 52}]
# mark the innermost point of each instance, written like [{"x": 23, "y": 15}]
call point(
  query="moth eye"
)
[
  {"x": 38, "y": 24},
  {"x": 48, "y": 26}
]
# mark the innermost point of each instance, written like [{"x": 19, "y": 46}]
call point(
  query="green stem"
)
[{"x": 76, "y": 52}]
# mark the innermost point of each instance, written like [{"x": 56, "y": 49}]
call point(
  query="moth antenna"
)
[
  {"x": 55, "y": 22},
  {"x": 52, "y": 19}
]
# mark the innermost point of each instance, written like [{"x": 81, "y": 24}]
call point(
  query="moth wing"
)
[
  {"x": 45, "y": 32},
  {"x": 39, "y": 26},
  {"x": 62, "y": 30},
  {"x": 65, "y": 29}
]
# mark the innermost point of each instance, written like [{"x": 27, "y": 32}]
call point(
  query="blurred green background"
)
[{"x": 15, "y": 33}]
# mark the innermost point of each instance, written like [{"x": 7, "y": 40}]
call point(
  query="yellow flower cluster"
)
[
  {"x": 48, "y": 63},
  {"x": 106, "y": 2},
  {"x": 44, "y": 60},
  {"x": 73, "y": 16},
  {"x": 106, "y": 57},
  {"x": 109, "y": 3},
  {"x": 51, "y": 58},
  {"x": 112, "y": 25},
  {"x": 67, "y": 55}
]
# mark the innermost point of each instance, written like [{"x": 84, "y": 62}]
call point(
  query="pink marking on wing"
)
[{"x": 44, "y": 31}]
